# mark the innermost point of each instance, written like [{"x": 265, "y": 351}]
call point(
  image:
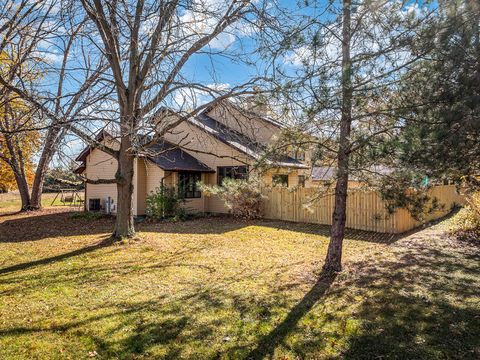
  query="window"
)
[
  {"x": 301, "y": 180},
  {"x": 231, "y": 172},
  {"x": 280, "y": 180},
  {"x": 297, "y": 153},
  {"x": 94, "y": 204},
  {"x": 188, "y": 185},
  {"x": 300, "y": 155}
]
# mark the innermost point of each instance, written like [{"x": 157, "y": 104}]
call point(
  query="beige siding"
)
[
  {"x": 100, "y": 165},
  {"x": 201, "y": 145},
  {"x": 292, "y": 176},
  {"x": 153, "y": 176},
  {"x": 250, "y": 125},
  {"x": 205, "y": 147},
  {"x": 254, "y": 127},
  {"x": 191, "y": 205},
  {"x": 213, "y": 153},
  {"x": 195, "y": 205},
  {"x": 214, "y": 204},
  {"x": 308, "y": 177}
]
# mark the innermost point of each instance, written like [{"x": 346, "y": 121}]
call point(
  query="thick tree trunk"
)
[
  {"x": 124, "y": 226},
  {"x": 42, "y": 167},
  {"x": 22, "y": 184},
  {"x": 24, "y": 192},
  {"x": 37, "y": 187},
  {"x": 17, "y": 164},
  {"x": 333, "y": 260}
]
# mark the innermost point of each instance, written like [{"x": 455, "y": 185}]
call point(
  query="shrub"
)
[
  {"x": 467, "y": 222},
  {"x": 473, "y": 207},
  {"x": 410, "y": 192},
  {"x": 181, "y": 214},
  {"x": 165, "y": 202},
  {"x": 86, "y": 215},
  {"x": 242, "y": 197}
]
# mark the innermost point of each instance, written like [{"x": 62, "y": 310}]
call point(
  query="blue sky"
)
[{"x": 228, "y": 72}]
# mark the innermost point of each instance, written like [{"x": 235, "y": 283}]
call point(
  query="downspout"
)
[
  {"x": 204, "y": 200},
  {"x": 85, "y": 196},
  {"x": 162, "y": 194}
]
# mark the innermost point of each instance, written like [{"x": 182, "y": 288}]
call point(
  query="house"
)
[
  {"x": 326, "y": 175},
  {"x": 222, "y": 141}
]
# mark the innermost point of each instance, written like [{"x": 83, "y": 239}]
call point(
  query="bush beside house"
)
[{"x": 242, "y": 197}]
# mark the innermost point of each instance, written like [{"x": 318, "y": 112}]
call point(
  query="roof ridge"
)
[
  {"x": 251, "y": 148},
  {"x": 240, "y": 108}
]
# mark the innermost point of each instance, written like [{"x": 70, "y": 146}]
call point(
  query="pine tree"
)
[{"x": 345, "y": 65}]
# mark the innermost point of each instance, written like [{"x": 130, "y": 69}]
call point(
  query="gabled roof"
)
[
  {"x": 239, "y": 141},
  {"x": 328, "y": 173},
  {"x": 164, "y": 154},
  {"x": 171, "y": 158},
  {"x": 254, "y": 114},
  {"x": 80, "y": 169},
  {"x": 323, "y": 173},
  {"x": 102, "y": 134}
]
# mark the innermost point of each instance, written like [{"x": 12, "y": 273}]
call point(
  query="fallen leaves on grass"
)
[{"x": 229, "y": 289}]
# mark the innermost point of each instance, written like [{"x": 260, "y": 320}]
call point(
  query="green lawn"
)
[
  {"x": 11, "y": 201},
  {"x": 222, "y": 289}
]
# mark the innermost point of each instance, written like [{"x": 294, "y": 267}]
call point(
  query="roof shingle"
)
[
  {"x": 240, "y": 142},
  {"x": 171, "y": 158}
]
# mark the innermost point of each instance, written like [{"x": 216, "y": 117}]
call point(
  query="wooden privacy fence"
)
[{"x": 365, "y": 209}]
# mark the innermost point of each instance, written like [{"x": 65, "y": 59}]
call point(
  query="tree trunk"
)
[
  {"x": 42, "y": 167},
  {"x": 124, "y": 227},
  {"x": 22, "y": 184},
  {"x": 24, "y": 192},
  {"x": 17, "y": 165},
  {"x": 333, "y": 260}
]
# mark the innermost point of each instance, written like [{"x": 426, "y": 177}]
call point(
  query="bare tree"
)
[
  {"x": 37, "y": 48},
  {"x": 147, "y": 45},
  {"x": 17, "y": 147}
]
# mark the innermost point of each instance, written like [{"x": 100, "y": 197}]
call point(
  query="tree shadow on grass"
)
[
  {"x": 30, "y": 264},
  {"x": 22, "y": 330},
  {"x": 38, "y": 226},
  {"x": 7, "y": 214},
  {"x": 148, "y": 334},
  {"x": 169, "y": 323},
  {"x": 220, "y": 224},
  {"x": 351, "y": 234},
  {"x": 421, "y": 304},
  {"x": 425, "y": 305},
  {"x": 163, "y": 330},
  {"x": 415, "y": 305},
  {"x": 267, "y": 344},
  {"x": 407, "y": 327},
  {"x": 225, "y": 224}
]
